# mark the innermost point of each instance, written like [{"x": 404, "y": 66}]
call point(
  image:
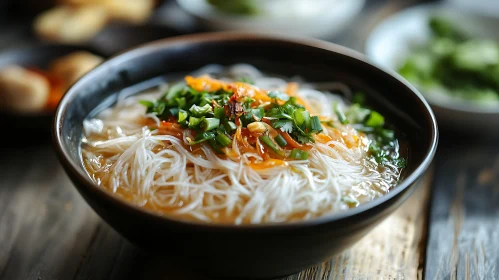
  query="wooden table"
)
[{"x": 448, "y": 229}]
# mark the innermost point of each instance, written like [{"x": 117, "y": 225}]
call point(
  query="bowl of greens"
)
[
  {"x": 318, "y": 18},
  {"x": 451, "y": 56}
]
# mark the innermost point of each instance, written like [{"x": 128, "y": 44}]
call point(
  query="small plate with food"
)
[
  {"x": 451, "y": 56},
  {"x": 34, "y": 79},
  {"x": 318, "y": 18}
]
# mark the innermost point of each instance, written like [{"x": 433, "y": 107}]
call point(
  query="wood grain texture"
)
[
  {"x": 393, "y": 250},
  {"x": 48, "y": 232},
  {"x": 464, "y": 232},
  {"x": 44, "y": 224}
]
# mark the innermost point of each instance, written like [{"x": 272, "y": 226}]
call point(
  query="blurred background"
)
[{"x": 447, "y": 49}]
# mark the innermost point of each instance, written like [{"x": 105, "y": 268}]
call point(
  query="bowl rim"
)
[
  {"x": 84, "y": 179},
  {"x": 460, "y": 106}
]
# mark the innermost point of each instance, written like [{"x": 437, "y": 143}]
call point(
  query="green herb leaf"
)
[{"x": 283, "y": 125}]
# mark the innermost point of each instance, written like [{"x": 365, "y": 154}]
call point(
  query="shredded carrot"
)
[
  {"x": 293, "y": 144},
  {"x": 322, "y": 138},
  {"x": 239, "y": 89},
  {"x": 262, "y": 151},
  {"x": 204, "y": 83}
]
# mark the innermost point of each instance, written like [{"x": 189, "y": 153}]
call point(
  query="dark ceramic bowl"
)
[
  {"x": 250, "y": 251},
  {"x": 40, "y": 56}
]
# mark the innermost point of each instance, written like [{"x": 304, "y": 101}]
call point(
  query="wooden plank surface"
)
[
  {"x": 48, "y": 232},
  {"x": 464, "y": 233}
]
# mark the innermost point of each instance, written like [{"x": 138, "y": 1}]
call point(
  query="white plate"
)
[
  {"x": 393, "y": 39},
  {"x": 324, "y": 19}
]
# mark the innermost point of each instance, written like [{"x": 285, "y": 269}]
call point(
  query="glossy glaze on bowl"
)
[{"x": 250, "y": 251}]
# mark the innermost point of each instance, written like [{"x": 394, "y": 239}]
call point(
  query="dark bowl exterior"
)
[
  {"x": 117, "y": 37},
  {"x": 37, "y": 123},
  {"x": 249, "y": 251}
]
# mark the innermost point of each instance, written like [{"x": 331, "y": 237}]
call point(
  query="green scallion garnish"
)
[
  {"x": 280, "y": 140},
  {"x": 209, "y": 123},
  {"x": 298, "y": 154},
  {"x": 267, "y": 141}
]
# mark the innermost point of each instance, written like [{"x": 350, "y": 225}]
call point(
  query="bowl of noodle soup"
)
[{"x": 244, "y": 155}]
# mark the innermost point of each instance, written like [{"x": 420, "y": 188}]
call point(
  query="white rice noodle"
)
[{"x": 159, "y": 170}]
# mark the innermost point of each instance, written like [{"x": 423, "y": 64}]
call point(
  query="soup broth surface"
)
[{"x": 233, "y": 145}]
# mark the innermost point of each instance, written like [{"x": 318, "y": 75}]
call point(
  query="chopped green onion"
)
[
  {"x": 202, "y": 137},
  {"x": 278, "y": 95},
  {"x": 375, "y": 119},
  {"x": 174, "y": 111},
  {"x": 315, "y": 124},
  {"x": 387, "y": 134},
  {"x": 341, "y": 116},
  {"x": 194, "y": 122},
  {"x": 230, "y": 126},
  {"x": 181, "y": 102},
  {"x": 174, "y": 92},
  {"x": 199, "y": 111},
  {"x": 306, "y": 119},
  {"x": 223, "y": 140},
  {"x": 147, "y": 103},
  {"x": 292, "y": 101},
  {"x": 219, "y": 112},
  {"x": 247, "y": 80},
  {"x": 280, "y": 140},
  {"x": 299, "y": 154},
  {"x": 209, "y": 123},
  {"x": 267, "y": 141},
  {"x": 298, "y": 117},
  {"x": 358, "y": 98},
  {"x": 160, "y": 108},
  {"x": 214, "y": 146},
  {"x": 182, "y": 116}
]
